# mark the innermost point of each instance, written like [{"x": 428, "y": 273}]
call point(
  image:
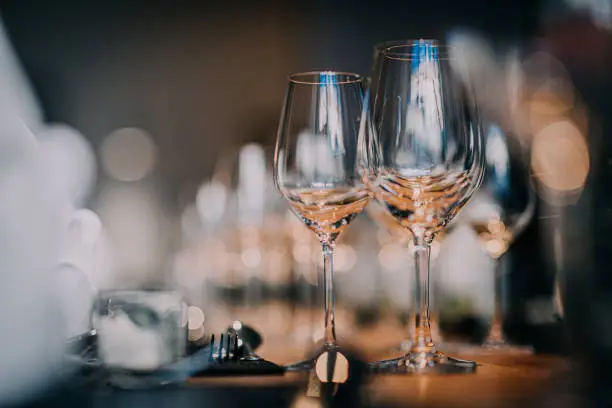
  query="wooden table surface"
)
[{"x": 499, "y": 381}]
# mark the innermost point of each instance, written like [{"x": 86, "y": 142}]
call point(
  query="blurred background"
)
[{"x": 175, "y": 105}]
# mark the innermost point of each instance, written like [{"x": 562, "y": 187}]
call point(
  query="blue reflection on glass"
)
[
  {"x": 330, "y": 111},
  {"x": 498, "y": 161},
  {"x": 424, "y": 50}
]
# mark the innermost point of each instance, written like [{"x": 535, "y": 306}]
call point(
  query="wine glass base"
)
[
  {"x": 309, "y": 363},
  {"x": 424, "y": 363},
  {"x": 300, "y": 366}
]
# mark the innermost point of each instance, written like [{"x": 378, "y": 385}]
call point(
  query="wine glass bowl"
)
[
  {"x": 425, "y": 130},
  {"x": 327, "y": 211},
  {"x": 316, "y": 152},
  {"x": 423, "y": 149},
  {"x": 316, "y": 164}
]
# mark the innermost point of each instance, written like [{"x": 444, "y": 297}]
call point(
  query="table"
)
[
  {"x": 503, "y": 381},
  {"x": 499, "y": 381}
]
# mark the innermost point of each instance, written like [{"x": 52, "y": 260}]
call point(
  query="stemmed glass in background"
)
[
  {"x": 316, "y": 166},
  {"x": 423, "y": 159},
  {"x": 499, "y": 212}
]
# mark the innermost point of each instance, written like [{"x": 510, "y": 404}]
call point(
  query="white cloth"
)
[{"x": 46, "y": 172}]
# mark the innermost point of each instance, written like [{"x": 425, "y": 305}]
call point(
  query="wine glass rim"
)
[
  {"x": 313, "y": 77},
  {"x": 382, "y": 45},
  {"x": 393, "y": 51}
]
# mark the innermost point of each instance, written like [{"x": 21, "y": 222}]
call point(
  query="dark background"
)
[{"x": 201, "y": 76}]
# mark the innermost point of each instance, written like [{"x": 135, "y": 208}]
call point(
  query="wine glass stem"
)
[
  {"x": 496, "y": 331},
  {"x": 328, "y": 282},
  {"x": 422, "y": 335}
]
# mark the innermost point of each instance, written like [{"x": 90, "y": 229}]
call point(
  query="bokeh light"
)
[
  {"x": 128, "y": 154},
  {"x": 191, "y": 225},
  {"x": 195, "y": 323},
  {"x": 560, "y": 157},
  {"x": 136, "y": 227},
  {"x": 345, "y": 258},
  {"x": 211, "y": 201},
  {"x": 393, "y": 257}
]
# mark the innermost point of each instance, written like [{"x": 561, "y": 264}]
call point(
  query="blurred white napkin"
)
[
  {"x": 32, "y": 226},
  {"x": 46, "y": 173}
]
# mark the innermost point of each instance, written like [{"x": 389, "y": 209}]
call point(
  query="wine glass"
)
[
  {"x": 316, "y": 166},
  {"x": 422, "y": 152},
  {"x": 500, "y": 211}
]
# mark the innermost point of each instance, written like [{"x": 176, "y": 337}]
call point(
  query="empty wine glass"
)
[
  {"x": 498, "y": 214},
  {"x": 423, "y": 159},
  {"x": 316, "y": 167}
]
